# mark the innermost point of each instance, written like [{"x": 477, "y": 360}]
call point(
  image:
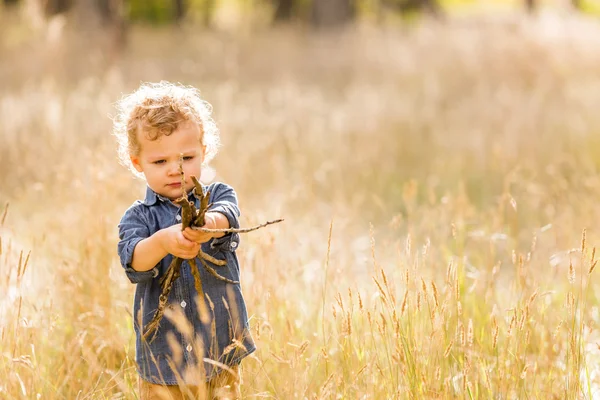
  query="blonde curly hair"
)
[{"x": 157, "y": 109}]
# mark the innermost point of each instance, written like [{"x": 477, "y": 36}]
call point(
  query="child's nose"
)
[{"x": 174, "y": 169}]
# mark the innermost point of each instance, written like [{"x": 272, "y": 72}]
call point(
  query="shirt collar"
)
[{"x": 152, "y": 197}]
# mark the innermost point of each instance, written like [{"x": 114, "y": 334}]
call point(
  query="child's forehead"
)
[{"x": 185, "y": 138}]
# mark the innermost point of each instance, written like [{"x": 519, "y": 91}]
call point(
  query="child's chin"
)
[{"x": 173, "y": 194}]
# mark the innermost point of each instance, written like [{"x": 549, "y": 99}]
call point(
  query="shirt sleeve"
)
[
  {"x": 132, "y": 229},
  {"x": 224, "y": 201}
]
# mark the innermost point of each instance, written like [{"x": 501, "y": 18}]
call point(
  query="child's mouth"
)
[{"x": 174, "y": 185}]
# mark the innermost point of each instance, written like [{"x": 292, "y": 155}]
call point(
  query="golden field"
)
[{"x": 439, "y": 184}]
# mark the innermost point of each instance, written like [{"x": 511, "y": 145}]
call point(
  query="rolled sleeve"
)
[
  {"x": 133, "y": 229},
  {"x": 229, "y": 242},
  {"x": 224, "y": 201}
]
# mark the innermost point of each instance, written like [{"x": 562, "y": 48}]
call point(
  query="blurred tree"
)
[
  {"x": 201, "y": 11},
  {"x": 331, "y": 13},
  {"x": 179, "y": 10},
  {"x": 53, "y": 7},
  {"x": 103, "y": 23},
  {"x": 111, "y": 11},
  {"x": 283, "y": 10},
  {"x": 156, "y": 11},
  {"x": 431, "y": 7},
  {"x": 112, "y": 16},
  {"x": 207, "y": 12},
  {"x": 530, "y": 5},
  {"x": 576, "y": 4},
  {"x": 9, "y": 3}
]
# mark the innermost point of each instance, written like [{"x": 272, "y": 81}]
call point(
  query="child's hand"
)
[
  {"x": 175, "y": 243},
  {"x": 202, "y": 237}
]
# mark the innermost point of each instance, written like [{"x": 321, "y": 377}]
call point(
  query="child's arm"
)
[
  {"x": 148, "y": 252},
  {"x": 140, "y": 251}
]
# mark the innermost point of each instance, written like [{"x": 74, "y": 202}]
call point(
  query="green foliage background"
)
[{"x": 162, "y": 12}]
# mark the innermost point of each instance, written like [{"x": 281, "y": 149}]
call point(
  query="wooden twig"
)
[
  {"x": 198, "y": 285},
  {"x": 215, "y": 273},
  {"x": 203, "y": 200},
  {"x": 238, "y": 230},
  {"x": 212, "y": 259},
  {"x": 166, "y": 283}
]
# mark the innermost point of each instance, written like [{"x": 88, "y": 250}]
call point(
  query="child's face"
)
[{"x": 158, "y": 159}]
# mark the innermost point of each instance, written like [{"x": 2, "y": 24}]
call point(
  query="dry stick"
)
[
  {"x": 190, "y": 211},
  {"x": 238, "y": 230},
  {"x": 204, "y": 315},
  {"x": 215, "y": 274},
  {"x": 199, "y": 219},
  {"x": 204, "y": 206},
  {"x": 182, "y": 175},
  {"x": 203, "y": 198},
  {"x": 197, "y": 279},
  {"x": 166, "y": 284},
  {"x": 212, "y": 259}
]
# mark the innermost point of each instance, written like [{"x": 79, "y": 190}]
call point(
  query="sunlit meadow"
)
[{"x": 439, "y": 183}]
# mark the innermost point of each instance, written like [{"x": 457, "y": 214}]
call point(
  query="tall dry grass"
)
[{"x": 436, "y": 183}]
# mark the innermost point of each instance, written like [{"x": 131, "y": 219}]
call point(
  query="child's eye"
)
[
  {"x": 187, "y": 158},
  {"x": 157, "y": 162}
]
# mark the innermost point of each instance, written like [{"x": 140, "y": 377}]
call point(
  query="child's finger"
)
[
  {"x": 190, "y": 234},
  {"x": 185, "y": 243}
]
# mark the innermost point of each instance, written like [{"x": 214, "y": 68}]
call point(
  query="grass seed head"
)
[
  {"x": 404, "y": 301},
  {"x": 448, "y": 348},
  {"x": 470, "y": 333},
  {"x": 593, "y": 266},
  {"x": 360, "y": 303},
  {"x": 571, "y": 272},
  {"x": 435, "y": 294},
  {"x": 495, "y": 331}
]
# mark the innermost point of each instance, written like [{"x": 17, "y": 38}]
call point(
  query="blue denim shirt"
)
[{"x": 174, "y": 354}]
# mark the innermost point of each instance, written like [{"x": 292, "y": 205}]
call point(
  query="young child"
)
[{"x": 190, "y": 354}]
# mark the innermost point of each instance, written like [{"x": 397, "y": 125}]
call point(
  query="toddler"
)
[{"x": 190, "y": 354}]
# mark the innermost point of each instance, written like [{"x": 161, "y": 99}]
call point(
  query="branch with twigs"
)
[{"x": 239, "y": 230}]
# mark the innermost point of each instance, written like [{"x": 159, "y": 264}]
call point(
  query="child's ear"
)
[{"x": 136, "y": 163}]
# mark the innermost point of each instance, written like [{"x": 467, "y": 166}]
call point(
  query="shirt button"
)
[
  {"x": 233, "y": 245},
  {"x": 189, "y": 348},
  {"x": 183, "y": 304},
  {"x": 178, "y": 217}
]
